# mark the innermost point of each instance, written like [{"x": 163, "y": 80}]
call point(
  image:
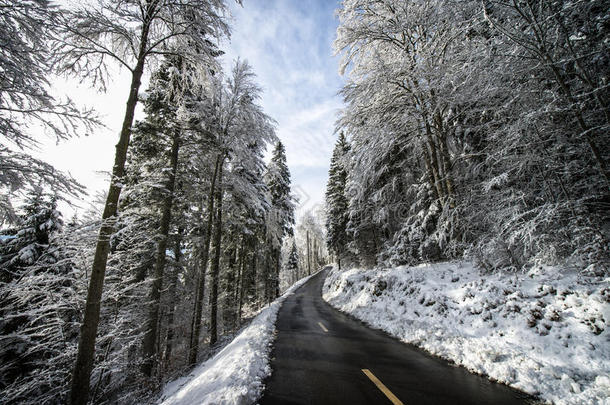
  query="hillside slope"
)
[{"x": 543, "y": 332}]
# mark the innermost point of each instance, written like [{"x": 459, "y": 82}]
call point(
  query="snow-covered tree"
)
[
  {"x": 130, "y": 34},
  {"x": 336, "y": 200},
  {"x": 291, "y": 267},
  {"x": 568, "y": 43},
  {"x": 38, "y": 305},
  {"x": 311, "y": 237},
  {"x": 39, "y": 220},
  {"x": 28, "y": 108},
  {"x": 459, "y": 144},
  {"x": 281, "y": 215}
]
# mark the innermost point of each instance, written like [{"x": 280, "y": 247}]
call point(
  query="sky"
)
[{"x": 289, "y": 45}]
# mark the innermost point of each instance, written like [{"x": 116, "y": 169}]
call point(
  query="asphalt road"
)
[{"x": 320, "y": 354}]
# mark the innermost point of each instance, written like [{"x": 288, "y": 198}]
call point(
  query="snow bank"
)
[
  {"x": 235, "y": 375},
  {"x": 545, "y": 332}
]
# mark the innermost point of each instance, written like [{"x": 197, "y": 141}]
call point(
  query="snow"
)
[
  {"x": 235, "y": 375},
  {"x": 544, "y": 332}
]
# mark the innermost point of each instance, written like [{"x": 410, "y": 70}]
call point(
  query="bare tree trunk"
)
[
  {"x": 240, "y": 284},
  {"x": 276, "y": 279},
  {"x": 79, "y": 390},
  {"x": 215, "y": 268},
  {"x": 434, "y": 163},
  {"x": 315, "y": 255},
  {"x": 196, "y": 324},
  {"x": 444, "y": 152},
  {"x": 428, "y": 164},
  {"x": 429, "y": 156},
  {"x": 267, "y": 273},
  {"x": 172, "y": 304},
  {"x": 255, "y": 270},
  {"x": 149, "y": 348},
  {"x": 308, "y": 255},
  {"x": 229, "y": 287}
]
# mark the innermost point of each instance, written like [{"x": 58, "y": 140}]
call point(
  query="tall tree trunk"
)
[
  {"x": 267, "y": 269},
  {"x": 428, "y": 165},
  {"x": 197, "y": 274},
  {"x": 255, "y": 269},
  {"x": 242, "y": 283},
  {"x": 428, "y": 156},
  {"x": 308, "y": 255},
  {"x": 228, "y": 286},
  {"x": 79, "y": 390},
  {"x": 240, "y": 264},
  {"x": 444, "y": 153},
  {"x": 276, "y": 278},
  {"x": 434, "y": 162},
  {"x": 315, "y": 255},
  {"x": 196, "y": 324},
  {"x": 241, "y": 267},
  {"x": 172, "y": 303},
  {"x": 149, "y": 348},
  {"x": 215, "y": 268}
]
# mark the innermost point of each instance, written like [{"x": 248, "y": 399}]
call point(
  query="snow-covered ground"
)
[
  {"x": 544, "y": 332},
  {"x": 235, "y": 375}
]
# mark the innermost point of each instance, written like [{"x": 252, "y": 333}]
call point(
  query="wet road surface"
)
[{"x": 322, "y": 356}]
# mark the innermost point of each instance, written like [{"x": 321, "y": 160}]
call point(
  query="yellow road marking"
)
[
  {"x": 323, "y": 327},
  {"x": 382, "y": 387}
]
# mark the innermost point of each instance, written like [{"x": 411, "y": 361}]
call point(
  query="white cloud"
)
[
  {"x": 308, "y": 135},
  {"x": 288, "y": 44}
]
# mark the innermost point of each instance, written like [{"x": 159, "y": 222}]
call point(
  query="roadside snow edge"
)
[{"x": 234, "y": 375}]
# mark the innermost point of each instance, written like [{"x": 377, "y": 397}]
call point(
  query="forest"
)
[
  {"x": 476, "y": 129},
  {"x": 187, "y": 243}
]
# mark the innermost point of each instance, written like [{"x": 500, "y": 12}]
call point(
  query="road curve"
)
[{"x": 320, "y": 354}]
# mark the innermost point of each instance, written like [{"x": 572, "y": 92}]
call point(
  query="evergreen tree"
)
[
  {"x": 171, "y": 90},
  {"x": 292, "y": 263},
  {"x": 278, "y": 182},
  {"x": 336, "y": 200},
  {"x": 37, "y": 297},
  {"x": 40, "y": 219},
  {"x": 93, "y": 33},
  {"x": 281, "y": 215}
]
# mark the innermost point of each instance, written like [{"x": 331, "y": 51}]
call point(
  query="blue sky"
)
[{"x": 289, "y": 45}]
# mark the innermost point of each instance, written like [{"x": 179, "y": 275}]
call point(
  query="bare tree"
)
[
  {"x": 27, "y": 29},
  {"x": 566, "y": 40}
]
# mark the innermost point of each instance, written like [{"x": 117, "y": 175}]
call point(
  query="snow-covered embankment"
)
[
  {"x": 545, "y": 332},
  {"x": 235, "y": 375}
]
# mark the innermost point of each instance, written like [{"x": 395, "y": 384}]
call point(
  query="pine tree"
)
[
  {"x": 281, "y": 215},
  {"x": 93, "y": 33},
  {"x": 278, "y": 182},
  {"x": 292, "y": 263},
  {"x": 336, "y": 200},
  {"x": 170, "y": 90},
  {"x": 40, "y": 219},
  {"x": 36, "y": 305}
]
